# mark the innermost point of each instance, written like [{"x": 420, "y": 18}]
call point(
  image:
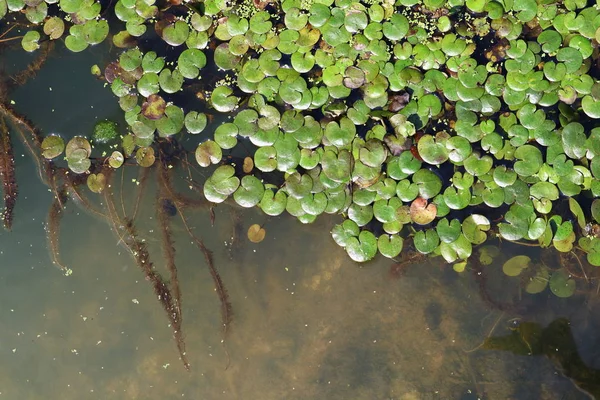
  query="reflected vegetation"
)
[{"x": 555, "y": 342}]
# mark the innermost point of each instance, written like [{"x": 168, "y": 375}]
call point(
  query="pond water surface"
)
[{"x": 308, "y": 323}]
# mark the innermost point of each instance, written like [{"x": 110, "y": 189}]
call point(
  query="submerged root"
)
[
  {"x": 34, "y": 67},
  {"x": 53, "y": 232},
  {"x": 7, "y": 175},
  {"x": 128, "y": 236},
  {"x": 226, "y": 311},
  {"x": 144, "y": 173},
  {"x": 168, "y": 249},
  {"x": 179, "y": 199},
  {"x": 29, "y": 136}
]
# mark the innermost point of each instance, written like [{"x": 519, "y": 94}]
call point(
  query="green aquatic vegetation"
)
[
  {"x": 430, "y": 124},
  {"x": 52, "y": 146},
  {"x": 105, "y": 131}
]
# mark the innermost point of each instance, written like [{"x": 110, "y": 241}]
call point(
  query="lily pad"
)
[
  {"x": 475, "y": 227},
  {"x": 362, "y": 248},
  {"x": 145, "y": 156},
  {"x": 516, "y": 265},
  {"x": 116, "y": 159},
  {"x": 208, "y": 153},
  {"x": 273, "y": 203},
  {"x": 422, "y": 213},
  {"x": 390, "y": 245},
  {"x": 52, "y": 146},
  {"x": 256, "y": 233},
  {"x": 154, "y": 107},
  {"x": 96, "y": 182},
  {"x": 561, "y": 284},
  {"x": 426, "y": 241},
  {"x": 30, "y": 41},
  {"x": 250, "y": 192},
  {"x": 222, "y": 99},
  {"x": 432, "y": 151}
]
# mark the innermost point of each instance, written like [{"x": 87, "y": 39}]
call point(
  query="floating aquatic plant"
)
[
  {"x": 427, "y": 125},
  {"x": 105, "y": 131}
]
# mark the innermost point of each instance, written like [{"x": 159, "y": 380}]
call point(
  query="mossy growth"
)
[{"x": 105, "y": 131}]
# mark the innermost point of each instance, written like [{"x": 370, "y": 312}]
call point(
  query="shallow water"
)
[{"x": 308, "y": 323}]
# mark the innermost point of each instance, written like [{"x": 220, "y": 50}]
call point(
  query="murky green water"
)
[{"x": 308, "y": 323}]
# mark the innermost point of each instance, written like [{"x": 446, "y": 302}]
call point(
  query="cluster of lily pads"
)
[
  {"x": 559, "y": 281},
  {"x": 446, "y": 121}
]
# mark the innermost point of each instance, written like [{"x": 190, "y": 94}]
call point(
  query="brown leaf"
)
[
  {"x": 422, "y": 213},
  {"x": 256, "y": 233}
]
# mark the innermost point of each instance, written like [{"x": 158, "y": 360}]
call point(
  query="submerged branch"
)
[
  {"x": 7, "y": 175},
  {"x": 30, "y": 138},
  {"x": 168, "y": 248},
  {"x": 33, "y": 68},
  {"x": 53, "y": 232},
  {"x": 128, "y": 236},
  {"x": 179, "y": 199},
  {"x": 145, "y": 172},
  {"x": 226, "y": 311}
]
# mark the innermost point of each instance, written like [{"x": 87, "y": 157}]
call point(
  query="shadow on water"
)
[{"x": 308, "y": 323}]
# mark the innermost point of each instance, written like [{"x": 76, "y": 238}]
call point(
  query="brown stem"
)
[
  {"x": 33, "y": 68},
  {"x": 143, "y": 180},
  {"x": 29, "y": 136},
  {"x": 10, "y": 38},
  {"x": 7, "y": 175},
  {"x": 168, "y": 248},
  {"x": 7, "y": 31},
  {"x": 128, "y": 236},
  {"x": 226, "y": 310},
  {"x": 53, "y": 232}
]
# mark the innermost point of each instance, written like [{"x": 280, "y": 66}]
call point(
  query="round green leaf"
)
[
  {"x": 390, "y": 245},
  {"x": 208, "y": 153},
  {"x": 516, "y": 265},
  {"x": 426, "y": 241},
  {"x": 176, "y": 34},
  {"x": 226, "y": 135},
  {"x": 432, "y": 151},
  {"x": 273, "y": 204},
  {"x": 250, "y": 192},
  {"x": 561, "y": 284},
  {"x": 195, "y": 122},
  {"x": 52, "y": 146},
  {"x": 30, "y": 41},
  {"x": 363, "y": 248}
]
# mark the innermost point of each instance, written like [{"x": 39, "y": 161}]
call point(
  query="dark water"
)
[{"x": 308, "y": 323}]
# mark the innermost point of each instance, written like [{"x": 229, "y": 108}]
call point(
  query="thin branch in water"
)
[
  {"x": 168, "y": 248},
  {"x": 29, "y": 135},
  {"x": 226, "y": 311},
  {"x": 581, "y": 266},
  {"x": 121, "y": 191},
  {"x": 53, "y": 232},
  {"x": 488, "y": 335},
  {"x": 78, "y": 198},
  {"x": 10, "y": 38},
  {"x": 128, "y": 236},
  {"x": 145, "y": 172},
  {"x": 6, "y": 32},
  {"x": 33, "y": 68},
  {"x": 178, "y": 198},
  {"x": 7, "y": 175}
]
